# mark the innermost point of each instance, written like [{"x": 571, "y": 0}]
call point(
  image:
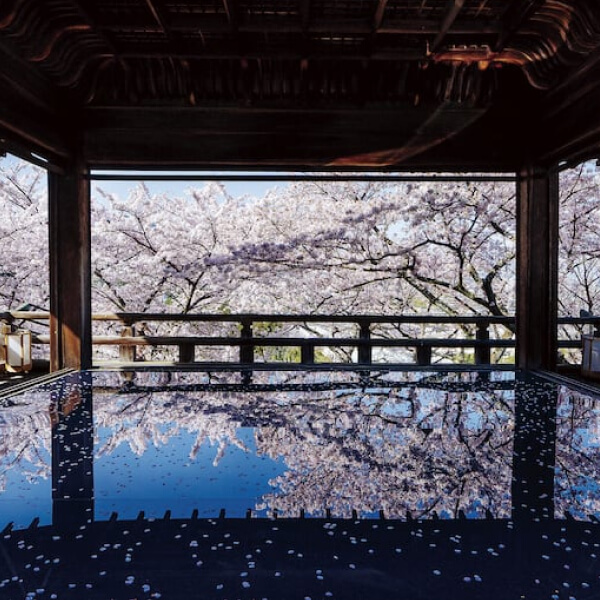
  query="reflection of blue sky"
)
[
  {"x": 589, "y": 436},
  {"x": 164, "y": 477},
  {"x": 339, "y": 443},
  {"x": 26, "y": 496}
]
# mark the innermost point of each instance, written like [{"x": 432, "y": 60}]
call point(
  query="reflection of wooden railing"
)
[{"x": 475, "y": 335}]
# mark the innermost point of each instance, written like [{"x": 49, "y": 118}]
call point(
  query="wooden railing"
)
[{"x": 471, "y": 335}]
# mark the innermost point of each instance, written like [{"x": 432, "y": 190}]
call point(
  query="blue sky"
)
[
  {"x": 121, "y": 188},
  {"x": 235, "y": 188}
]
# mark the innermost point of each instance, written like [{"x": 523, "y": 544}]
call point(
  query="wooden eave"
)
[{"x": 301, "y": 84}]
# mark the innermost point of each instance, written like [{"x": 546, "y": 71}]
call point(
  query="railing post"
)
[
  {"x": 127, "y": 353},
  {"x": 5, "y": 328},
  {"x": 423, "y": 354},
  {"x": 187, "y": 353},
  {"x": 246, "y": 351},
  {"x": 365, "y": 350},
  {"x": 482, "y": 353},
  {"x": 307, "y": 353}
]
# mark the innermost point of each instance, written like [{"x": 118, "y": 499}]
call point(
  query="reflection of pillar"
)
[
  {"x": 534, "y": 450},
  {"x": 73, "y": 452}
]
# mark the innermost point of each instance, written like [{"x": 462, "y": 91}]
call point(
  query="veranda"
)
[{"x": 435, "y": 86}]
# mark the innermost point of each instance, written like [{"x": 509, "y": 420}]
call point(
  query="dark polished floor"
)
[
  {"x": 487, "y": 485},
  {"x": 311, "y": 558}
]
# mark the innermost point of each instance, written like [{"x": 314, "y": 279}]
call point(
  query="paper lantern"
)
[
  {"x": 590, "y": 361},
  {"x": 17, "y": 351}
]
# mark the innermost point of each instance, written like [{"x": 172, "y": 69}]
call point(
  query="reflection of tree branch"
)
[
  {"x": 16, "y": 458},
  {"x": 135, "y": 402}
]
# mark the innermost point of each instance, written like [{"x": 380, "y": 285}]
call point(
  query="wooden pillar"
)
[
  {"x": 70, "y": 270},
  {"x": 537, "y": 268}
]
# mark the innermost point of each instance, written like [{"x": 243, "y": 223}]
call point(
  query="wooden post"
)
[
  {"x": 307, "y": 353},
  {"x": 537, "y": 268},
  {"x": 483, "y": 356},
  {"x": 365, "y": 350},
  {"x": 70, "y": 269},
  {"x": 246, "y": 351},
  {"x": 187, "y": 353},
  {"x": 127, "y": 353},
  {"x": 423, "y": 354}
]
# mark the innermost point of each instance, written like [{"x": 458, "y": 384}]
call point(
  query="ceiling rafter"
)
[
  {"x": 232, "y": 14},
  {"x": 197, "y": 52},
  {"x": 370, "y": 56},
  {"x": 379, "y": 14},
  {"x": 261, "y": 24},
  {"x": 515, "y": 17},
  {"x": 158, "y": 15},
  {"x": 61, "y": 37},
  {"x": 482, "y": 5},
  {"x": 305, "y": 14},
  {"x": 24, "y": 78},
  {"x": 453, "y": 8},
  {"x": 88, "y": 18}
]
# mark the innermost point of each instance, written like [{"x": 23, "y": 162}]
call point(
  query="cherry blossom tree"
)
[
  {"x": 339, "y": 247},
  {"x": 151, "y": 251},
  {"x": 23, "y": 236},
  {"x": 579, "y": 258},
  {"x": 579, "y": 270},
  {"x": 347, "y": 247}
]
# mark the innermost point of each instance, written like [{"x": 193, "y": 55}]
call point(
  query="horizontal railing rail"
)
[{"x": 249, "y": 336}]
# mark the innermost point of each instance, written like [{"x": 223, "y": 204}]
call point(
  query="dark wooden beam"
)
[
  {"x": 231, "y": 11},
  {"x": 198, "y": 137},
  {"x": 569, "y": 127},
  {"x": 27, "y": 82},
  {"x": 453, "y": 8},
  {"x": 31, "y": 109},
  {"x": 445, "y": 121},
  {"x": 266, "y": 24},
  {"x": 581, "y": 83},
  {"x": 515, "y": 17},
  {"x": 294, "y": 52},
  {"x": 305, "y": 14},
  {"x": 537, "y": 268},
  {"x": 379, "y": 14},
  {"x": 157, "y": 14},
  {"x": 22, "y": 128},
  {"x": 70, "y": 269}
]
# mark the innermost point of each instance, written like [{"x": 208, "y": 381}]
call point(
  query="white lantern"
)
[
  {"x": 590, "y": 360},
  {"x": 17, "y": 350}
]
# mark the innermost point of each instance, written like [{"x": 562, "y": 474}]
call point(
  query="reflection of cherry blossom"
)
[
  {"x": 394, "y": 442},
  {"x": 375, "y": 445},
  {"x": 361, "y": 459},
  {"x": 25, "y": 438},
  {"x": 577, "y": 454},
  {"x": 343, "y": 448}
]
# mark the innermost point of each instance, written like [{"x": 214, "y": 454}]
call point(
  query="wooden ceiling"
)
[{"x": 301, "y": 84}]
